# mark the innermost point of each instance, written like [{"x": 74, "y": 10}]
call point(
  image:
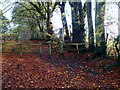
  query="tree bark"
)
[
  {"x": 90, "y": 27},
  {"x": 48, "y": 17},
  {"x": 118, "y": 18},
  {"x": 118, "y": 49},
  {"x": 78, "y": 23},
  {"x": 100, "y": 31},
  {"x": 62, "y": 8}
]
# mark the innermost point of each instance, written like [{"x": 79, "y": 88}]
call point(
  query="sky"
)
[
  {"x": 111, "y": 19},
  {"x": 111, "y": 11},
  {"x": 5, "y": 7}
]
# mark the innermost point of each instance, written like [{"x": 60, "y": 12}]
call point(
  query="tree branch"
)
[{"x": 37, "y": 9}]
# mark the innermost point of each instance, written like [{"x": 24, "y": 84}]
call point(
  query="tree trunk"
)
[
  {"x": 62, "y": 8},
  {"x": 90, "y": 27},
  {"x": 118, "y": 49},
  {"x": 100, "y": 31},
  {"x": 118, "y": 18},
  {"x": 78, "y": 23},
  {"x": 73, "y": 18},
  {"x": 81, "y": 18},
  {"x": 48, "y": 17}
]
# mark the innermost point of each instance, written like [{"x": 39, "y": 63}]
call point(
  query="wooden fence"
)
[{"x": 51, "y": 46}]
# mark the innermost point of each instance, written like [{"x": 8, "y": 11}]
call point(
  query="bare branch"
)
[
  {"x": 37, "y": 8},
  {"x": 7, "y": 10}
]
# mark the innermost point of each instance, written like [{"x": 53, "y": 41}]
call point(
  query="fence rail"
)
[{"x": 50, "y": 45}]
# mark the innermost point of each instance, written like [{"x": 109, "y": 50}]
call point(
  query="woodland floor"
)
[{"x": 68, "y": 71}]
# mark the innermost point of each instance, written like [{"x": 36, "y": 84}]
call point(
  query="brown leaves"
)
[{"x": 70, "y": 71}]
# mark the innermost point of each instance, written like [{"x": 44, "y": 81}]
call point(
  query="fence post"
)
[
  {"x": 61, "y": 48},
  {"x": 40, "y": 49},
  {"x": 49, "y": 52},
  {"x": 77, "y": 48}
]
